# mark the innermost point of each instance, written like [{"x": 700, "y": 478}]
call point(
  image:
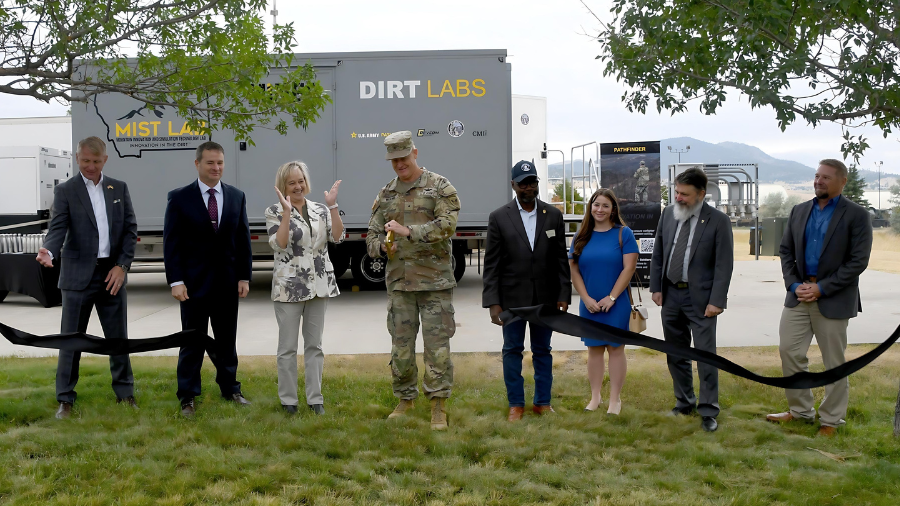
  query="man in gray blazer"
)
[
  {"x": 825, "y": 248},
  {"x": 93, "y": 232},
  {"x": 690, "y": 271}
]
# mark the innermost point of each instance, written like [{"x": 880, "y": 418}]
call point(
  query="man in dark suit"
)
[
  {"x": 93, "y": 232},
  {"x": 825, "y": 248},
  {"x": 690, "y": 271},
  {"x": 206, "y": 243},
  {"x": 525, "y": 264}
]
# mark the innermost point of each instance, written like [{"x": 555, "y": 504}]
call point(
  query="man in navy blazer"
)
[
  {"x": 526, "y": 263},
  {"x": 93, "y": 233},
  {"x": 206, "y": 243}
]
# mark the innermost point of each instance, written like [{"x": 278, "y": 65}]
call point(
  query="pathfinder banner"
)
[
  {"x": 567, "y": 323},
  {"x": 631, "y": 171},
  {"x": 78, "y": 341}
]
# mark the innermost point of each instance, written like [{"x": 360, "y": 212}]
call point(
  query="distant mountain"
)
[{"x": 771, "y": 170}]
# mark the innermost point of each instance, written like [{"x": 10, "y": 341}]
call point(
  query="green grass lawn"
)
[{"x": 109, "y": 454}]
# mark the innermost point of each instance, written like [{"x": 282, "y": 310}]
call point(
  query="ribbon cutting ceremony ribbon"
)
[
  {"x": 566, "y": 323},
  {"x": 78, "y": 341}
]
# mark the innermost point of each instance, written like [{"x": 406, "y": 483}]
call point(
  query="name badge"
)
[{"x": 551, "y": 233}]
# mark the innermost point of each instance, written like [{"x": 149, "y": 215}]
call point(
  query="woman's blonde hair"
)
[{"x": 284, "y": 173}]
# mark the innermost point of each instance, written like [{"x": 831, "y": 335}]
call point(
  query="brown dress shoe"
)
[
  {"x": 827, "y": 431},
  {"x": 187, "y": 407},
  {"x": 238, "y": 399},
  {"x": 64, "y": 411},
  {"x": 515, "y": 414},
  {"x": 541, "y": 410},
  {"x": 128, "y": 400}
]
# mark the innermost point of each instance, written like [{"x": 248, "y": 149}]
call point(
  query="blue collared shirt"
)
[{"x": 814, "y": 237}]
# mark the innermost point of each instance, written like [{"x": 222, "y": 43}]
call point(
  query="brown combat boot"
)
[
  {"x": 400, "y": 410},
  {"x": 438, "y": 415}
]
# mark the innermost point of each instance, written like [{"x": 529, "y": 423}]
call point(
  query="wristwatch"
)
[
  {"x": 612, "y": 298},
  {"x": 124, "y": 267}
]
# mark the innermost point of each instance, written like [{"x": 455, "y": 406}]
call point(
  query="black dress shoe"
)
[
  {"x": 318, "y": 409},
  {"x": 289, "y": 409},
  {"x": 688, "y": 411},
  {"x": 187, "y": 407},
  {"x": 709, "y": 424},
  {"x": 128, "y": 400},
  {"x": 238, "y": 399},
  {"x": 64, "y": 411}
]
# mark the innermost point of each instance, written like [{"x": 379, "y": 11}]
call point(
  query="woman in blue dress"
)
[{"x": 602, "y": 257}]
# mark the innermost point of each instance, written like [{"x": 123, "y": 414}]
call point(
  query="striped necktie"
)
[{"x": 676, "y": 265}]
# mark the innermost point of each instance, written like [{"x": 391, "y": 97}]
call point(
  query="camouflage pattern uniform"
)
[
  {"x": 641, "y": 191},
  {"x": 419, "y": 279}
]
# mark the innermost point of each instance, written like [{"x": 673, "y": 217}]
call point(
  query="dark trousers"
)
[
  {"x": 541, "y": 359},
  {"x": 76, "y": 312},
  {"x": 680, "y": 321},
  {"x": 198, "y": 313}
]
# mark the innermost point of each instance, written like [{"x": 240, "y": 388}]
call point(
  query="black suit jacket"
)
[
  {"x": 711, "y": 259},
  {"x": 73, "y": 229},
  {"x": 516, "y": 276},
  {"x": 845, "y": 255},
  {"x": 203, "y": 258}
]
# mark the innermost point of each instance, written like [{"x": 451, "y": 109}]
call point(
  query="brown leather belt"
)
[{"x": 812, "y": 279}]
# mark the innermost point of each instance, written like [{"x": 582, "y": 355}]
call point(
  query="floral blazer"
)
[{"x": 303, "y": 270}]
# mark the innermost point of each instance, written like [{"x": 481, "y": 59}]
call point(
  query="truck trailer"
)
[{"x": 458, "y": 105}]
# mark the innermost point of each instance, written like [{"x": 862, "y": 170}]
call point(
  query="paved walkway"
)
[{"x": 356, "y": 320}]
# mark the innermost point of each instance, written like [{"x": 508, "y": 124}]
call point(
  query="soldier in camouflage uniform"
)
[
  {"x": 641, "y": 190},
  {"x": 421, "y": 208}
]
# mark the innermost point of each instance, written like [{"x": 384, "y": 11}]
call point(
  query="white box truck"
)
[{"x": 28, "y": 176}]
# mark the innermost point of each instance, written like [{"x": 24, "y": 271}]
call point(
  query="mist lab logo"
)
[
  {"x": 143, "y": 129},
  {"x": 456, "y": 128}
]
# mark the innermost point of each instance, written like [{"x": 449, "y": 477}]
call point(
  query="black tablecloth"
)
[{"x": 20, "y": 273}]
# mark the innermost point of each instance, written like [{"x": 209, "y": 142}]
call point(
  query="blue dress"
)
[{"x": 600, "y": 265}]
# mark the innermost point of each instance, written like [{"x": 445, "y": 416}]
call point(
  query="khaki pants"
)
[
  {"x": 289, "y": 316},
  {"x": 435, "y": 308},
  {"x": 798, "y": 325}
]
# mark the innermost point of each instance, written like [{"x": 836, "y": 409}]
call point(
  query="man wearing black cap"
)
[{"x": 526, "y": 264}]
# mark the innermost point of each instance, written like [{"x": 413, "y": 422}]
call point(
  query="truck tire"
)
[
  {"x": 368, "y": 272},
  {"x": 459, "y": 262},
  {"x": 340, "y": 258}
]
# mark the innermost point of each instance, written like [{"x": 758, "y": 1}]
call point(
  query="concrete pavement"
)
[{"x": 356, "y": 320}]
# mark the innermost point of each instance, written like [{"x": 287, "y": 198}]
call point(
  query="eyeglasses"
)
[{"x": 531, "y": 183}]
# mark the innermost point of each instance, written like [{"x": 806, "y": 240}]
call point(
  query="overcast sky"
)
[{"x": 550, "y": 57}]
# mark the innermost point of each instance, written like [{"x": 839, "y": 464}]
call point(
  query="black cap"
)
[{"x": 523, "y": 170}]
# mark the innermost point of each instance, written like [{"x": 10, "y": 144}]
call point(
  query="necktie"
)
[
  {"x": 213, "y": 208},
  {"x": 676, "y": 265}
]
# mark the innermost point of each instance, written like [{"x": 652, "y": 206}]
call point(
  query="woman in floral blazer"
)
[{"x": 303, "y": 279}]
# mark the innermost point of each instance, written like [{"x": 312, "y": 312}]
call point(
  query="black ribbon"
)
[
  {"x": 79, "y": 341},
  {"x": 566, "y": 323}
]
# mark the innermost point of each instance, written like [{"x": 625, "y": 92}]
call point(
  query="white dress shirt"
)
[
  {"x": 204, "y": 191},
  {"x": 529, "y": 220},
  {"x": 98, "y": 203},
  {"x": 687, "y": 252}
]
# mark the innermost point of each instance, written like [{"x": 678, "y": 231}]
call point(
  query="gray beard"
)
[{"x": 682, "y": 212}]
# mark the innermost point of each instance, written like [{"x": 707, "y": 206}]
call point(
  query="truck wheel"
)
[
  {"x": 340, "y": 258},
  {"x": 459, "y": 263},
  {"x": 369, "y": 272}
]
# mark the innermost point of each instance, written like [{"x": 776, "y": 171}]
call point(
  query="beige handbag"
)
[{"x": 637, "y": 322}]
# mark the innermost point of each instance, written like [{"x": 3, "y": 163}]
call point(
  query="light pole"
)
[
  {"x": 274, "y": 13},
  {"x": 679, "y": 151},
  {"x": 879, "y": 184}
]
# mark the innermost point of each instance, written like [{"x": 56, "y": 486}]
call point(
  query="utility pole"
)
[
  {"x": 879, "y": 184},
  {"x": 274, "y": 13},
  {"x": 679, "y": 151}
]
